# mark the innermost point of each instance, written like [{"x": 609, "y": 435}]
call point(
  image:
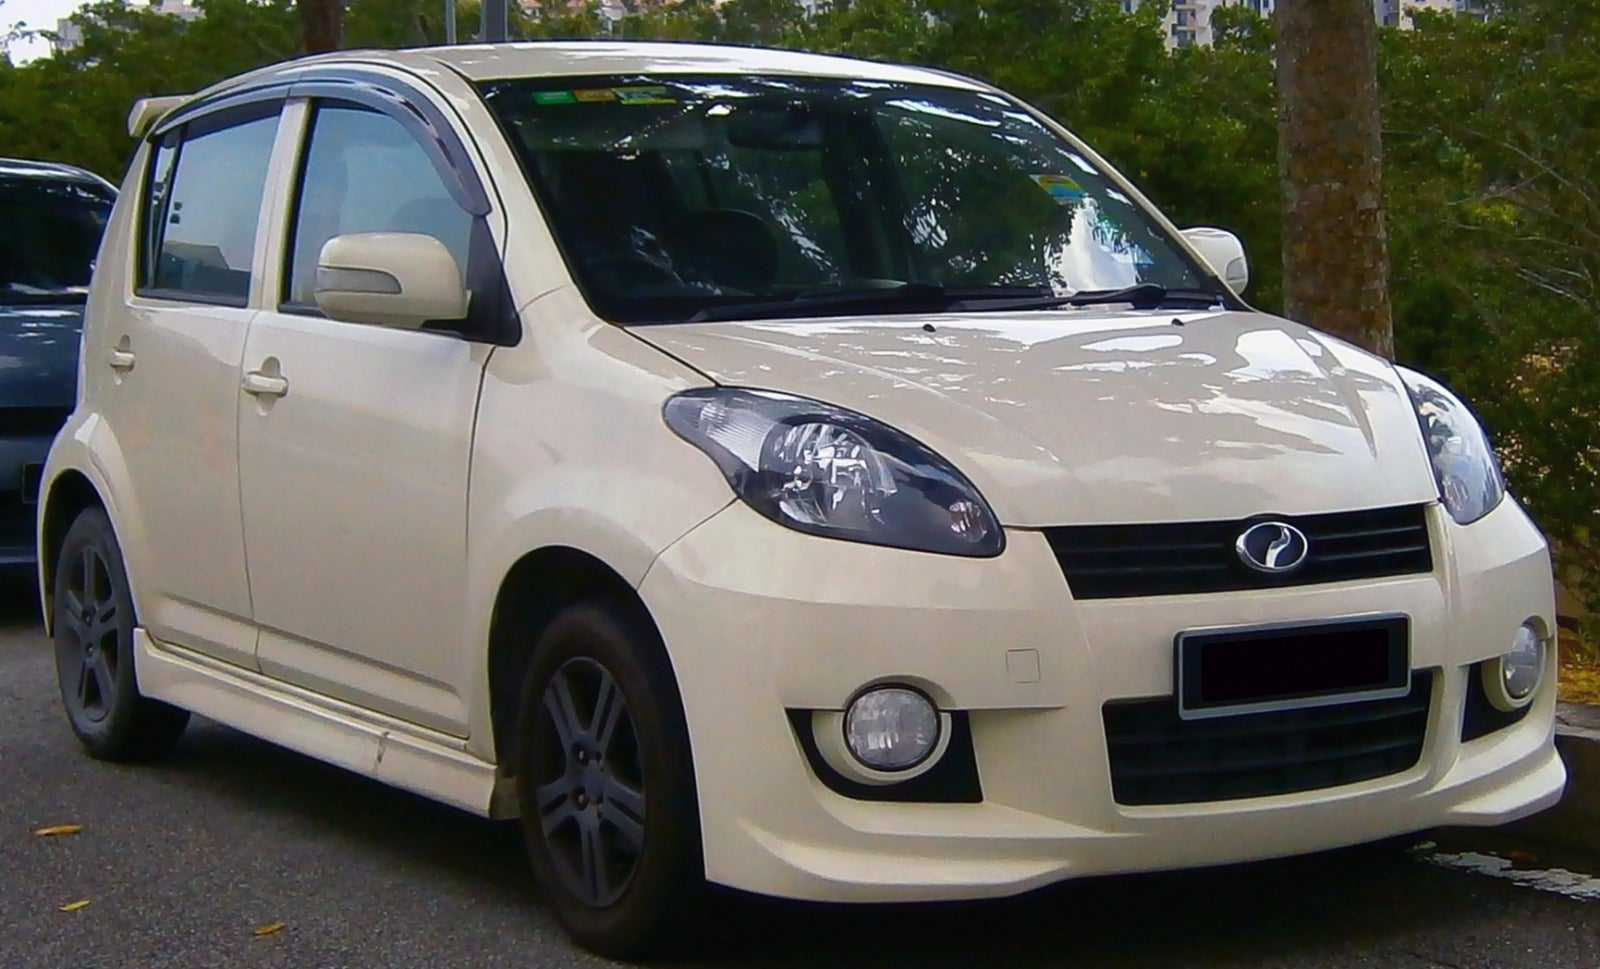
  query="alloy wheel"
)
[
  {"x": 589, "y": 782},
  {"x": 87, "y": 656}
]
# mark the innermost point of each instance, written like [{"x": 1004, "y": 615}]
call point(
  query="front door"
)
[
  {"x": 169, "y": 376},
  {"x": 354, "y": 446}
]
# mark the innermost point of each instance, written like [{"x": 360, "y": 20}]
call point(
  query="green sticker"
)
[{"x": 554, "y": 97}]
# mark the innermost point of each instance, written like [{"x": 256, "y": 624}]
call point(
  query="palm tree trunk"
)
[
  {"x": 1330, "y": 160},
  {"x": 321, "y": 24}
]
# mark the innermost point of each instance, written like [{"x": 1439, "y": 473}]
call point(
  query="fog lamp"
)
[
  {"x": 891, "y": 728},
  {"x": 1511, "y": 678}
]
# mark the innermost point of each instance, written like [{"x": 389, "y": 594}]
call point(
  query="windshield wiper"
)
[
  {"x": 933, "y": 298},
  {"x": 906, "y": 297},
  {"x": 1144, "y": 296}
]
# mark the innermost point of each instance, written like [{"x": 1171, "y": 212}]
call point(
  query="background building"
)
[
  {"x": 1189, "y": 21},
  {"x": 69, "y": 35}
]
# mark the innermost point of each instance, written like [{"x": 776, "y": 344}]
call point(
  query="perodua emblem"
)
[{"x": 1273, "y": 547}]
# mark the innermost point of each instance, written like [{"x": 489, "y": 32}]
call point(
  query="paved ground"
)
[{"x": 183, "y": 861}]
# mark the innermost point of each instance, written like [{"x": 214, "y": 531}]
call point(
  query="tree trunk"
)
[
  {"x": 1330, "y": 160},
  {"x": 321, "y": 24}
]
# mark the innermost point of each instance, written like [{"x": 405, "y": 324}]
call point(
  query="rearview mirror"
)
[
  {"x": 402, "y": 279},
  {"x": 775, "y": 126},
  {"x": 1225, "y": 252}
]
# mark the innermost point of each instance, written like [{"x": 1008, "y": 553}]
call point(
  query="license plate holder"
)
[{"x": 1285, "y": 666}]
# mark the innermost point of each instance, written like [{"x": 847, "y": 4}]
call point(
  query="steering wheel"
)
[{"x": 629, "y": 268}]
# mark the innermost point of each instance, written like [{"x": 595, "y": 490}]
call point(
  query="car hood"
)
[
  {"x": 1063, "y": 417},
  {"x": 39, "y": 354}
]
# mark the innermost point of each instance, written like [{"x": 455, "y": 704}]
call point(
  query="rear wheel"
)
[
  {"x": 605, "y": 783},
  {"x": 94, "y": 623}
]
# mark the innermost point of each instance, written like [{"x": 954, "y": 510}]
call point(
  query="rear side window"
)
[{"x": 202, "y": 208}]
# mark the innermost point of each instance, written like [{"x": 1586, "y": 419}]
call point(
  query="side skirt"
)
[{"x": 397, "y": 753}]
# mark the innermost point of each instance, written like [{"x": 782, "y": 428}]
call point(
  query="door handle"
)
[
  {"x": 119, "y": 359},
  {"x": 259, "y": 384}
]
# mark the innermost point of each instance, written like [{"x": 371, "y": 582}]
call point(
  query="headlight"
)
[
  {"x": 829, "y": 471},
  {"x": 1464, "y": 463}
]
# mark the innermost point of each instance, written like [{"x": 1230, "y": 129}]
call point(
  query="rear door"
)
[{"x": 168, "y": 375}]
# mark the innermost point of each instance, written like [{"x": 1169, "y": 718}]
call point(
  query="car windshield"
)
[
  {"x": 50, "y": 230},
  {"x": 688, "y": 197}
]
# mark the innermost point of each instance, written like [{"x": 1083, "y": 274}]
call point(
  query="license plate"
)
[{"x": 1282, "y": 667}]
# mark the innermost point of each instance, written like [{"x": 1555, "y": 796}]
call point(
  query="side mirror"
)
[
  {"x": 1225, "y": 252},
  {"x": 402, "y": 279}
]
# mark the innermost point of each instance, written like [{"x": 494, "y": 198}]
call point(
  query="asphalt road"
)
[{"x": 182, "y": 862}]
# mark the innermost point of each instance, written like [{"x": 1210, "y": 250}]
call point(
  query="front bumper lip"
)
[
  {"x": 935, "y": 852},
  {"x": 759, "y": 621}
]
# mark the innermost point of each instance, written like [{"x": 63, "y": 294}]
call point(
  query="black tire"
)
[
  {"x": 634, "y": 804},
  {"x": 94, "y": 623}
]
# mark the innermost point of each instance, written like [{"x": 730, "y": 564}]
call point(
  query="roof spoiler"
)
[{"x": 147, "y": 111}]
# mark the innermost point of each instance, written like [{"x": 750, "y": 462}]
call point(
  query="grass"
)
[{"x": 1580, "y": 671}]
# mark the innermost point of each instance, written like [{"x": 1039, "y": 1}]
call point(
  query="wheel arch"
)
[
  {"x": 536, "y": 588},
  {"x": 69, "y": 494}
]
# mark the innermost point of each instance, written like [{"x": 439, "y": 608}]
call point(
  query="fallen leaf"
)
[
  {"x": 59, "y": 829},
  {"x": 1522, "y": 857},
  {"x": 74, "y": 906},
  {"x": 269, "y": 929}
]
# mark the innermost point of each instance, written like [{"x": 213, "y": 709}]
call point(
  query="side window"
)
[
  {"x": 365, "y": 172},
  {"x": 155, "y": 208},
  {"x": 203, "y": 204}
]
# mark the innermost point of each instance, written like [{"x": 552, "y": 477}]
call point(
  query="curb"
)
[{"x": 1575, "y": 820}]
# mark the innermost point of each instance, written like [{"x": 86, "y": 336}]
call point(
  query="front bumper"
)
[{"x": 762, "y": 622}]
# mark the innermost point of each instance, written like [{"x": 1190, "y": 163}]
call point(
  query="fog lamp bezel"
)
[{"x": 1493, "y": 674}]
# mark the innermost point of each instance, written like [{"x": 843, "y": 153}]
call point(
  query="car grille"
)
[
  {"x": 32, "y": 421},
  {"x": 1119, "y": 561},
  {"x": 1158, "y": 758},
  {"x": 16, "y": 520}
]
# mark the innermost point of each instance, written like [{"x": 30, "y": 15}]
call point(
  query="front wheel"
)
[
  {"x": 605, "y": 783},
  {"x": 94, "y": 623}
]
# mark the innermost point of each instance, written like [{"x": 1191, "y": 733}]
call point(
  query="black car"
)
[{"x": 51, "y": 219}]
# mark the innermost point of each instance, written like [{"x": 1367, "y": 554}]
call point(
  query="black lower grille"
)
[
  {"x": 16, "y": 520},
  {"x": 32, "y": 421},
  {"x": 1479, "y": 717},
  {"x": 1158, "y": 758},
  {"x": 1117, "y": 561}
]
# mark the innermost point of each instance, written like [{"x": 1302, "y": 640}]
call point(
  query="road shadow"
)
[
  {"x": 19, "y": 597},
  {"x": 408, "y": 830},
  {"x": 1220, "y": 916}
]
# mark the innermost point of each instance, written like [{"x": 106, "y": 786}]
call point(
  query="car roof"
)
[
  {"x": 559, "y": 58},
  {"x": 483, "y": 62},
  {"x": 556, "y": 58},
  {"x": 36, "y": 168}
]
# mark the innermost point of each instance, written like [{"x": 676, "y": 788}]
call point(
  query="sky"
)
[{"x": 37, "y": 15}]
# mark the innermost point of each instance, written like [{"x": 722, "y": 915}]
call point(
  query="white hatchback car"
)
[{"x": 818, "y": 477}]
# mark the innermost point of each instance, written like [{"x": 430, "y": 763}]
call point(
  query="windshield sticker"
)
[
  {"x": 553, "y": 97},
  {"x": 1060, "y": 187},
  {"x": 596, "y": 94},
  {"x": 643, "y": 95}
]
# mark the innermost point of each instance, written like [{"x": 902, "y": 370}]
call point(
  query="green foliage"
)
[{"x": 1491, "y": 131}]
